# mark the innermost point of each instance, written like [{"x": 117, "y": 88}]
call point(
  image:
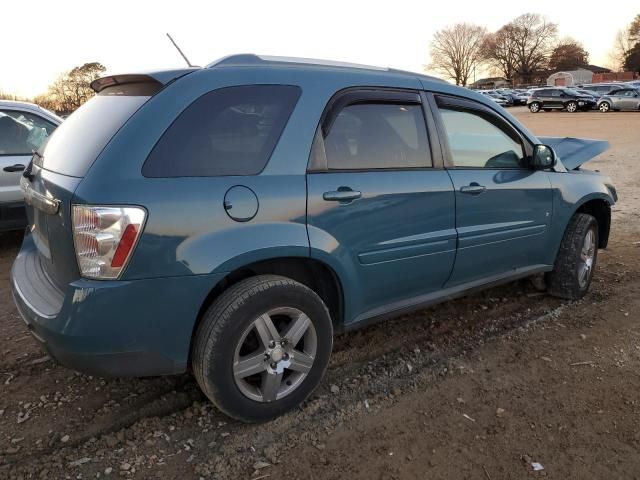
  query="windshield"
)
[{"x": 78, "y": 141}]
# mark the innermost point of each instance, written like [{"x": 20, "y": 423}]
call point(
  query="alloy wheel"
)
[
  {"x": 587, "y": 256},
  {"x": 572, "y": 107},
  {"x": 604, "y": 107},
  {"x": 275, "y": 354}
]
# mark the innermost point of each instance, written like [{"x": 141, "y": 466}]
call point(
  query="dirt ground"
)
[{"x": 485, "y": 387}]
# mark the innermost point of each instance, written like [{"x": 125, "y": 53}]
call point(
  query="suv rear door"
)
[
  {"x": 503, "y": 207},
  {"x": 379, "y": 200}
]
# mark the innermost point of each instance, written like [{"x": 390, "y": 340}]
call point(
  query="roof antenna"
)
[{"x": 180, "y": 51}]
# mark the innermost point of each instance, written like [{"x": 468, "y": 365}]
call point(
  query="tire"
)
[
  {"x": 231, "y": 327},
  {"x": 604, "y": 107},
  {"x": 568, "y": 279},
  {"x": 534, "y": 107},
  {"x": 572, "y": 107}
]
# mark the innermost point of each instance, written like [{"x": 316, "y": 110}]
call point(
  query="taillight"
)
[{"x": 104, "y": 238}]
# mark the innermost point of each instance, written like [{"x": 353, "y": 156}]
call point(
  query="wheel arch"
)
[
  {"x": 315, "y": 274},
  {"x": 600, "y": 208}
]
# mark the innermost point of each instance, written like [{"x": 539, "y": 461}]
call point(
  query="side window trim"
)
[
  {"x": 364, "y": 95},
  {"x": 438, "y": 101}
]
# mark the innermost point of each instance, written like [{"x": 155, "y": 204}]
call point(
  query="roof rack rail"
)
[{"x": 253, "y": 59}]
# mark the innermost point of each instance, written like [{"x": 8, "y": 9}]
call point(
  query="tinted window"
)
[
  {"x": 230, "y": 131},
  {"x": 555, "y": 93},
  {"x": 476, "y": 142},
  {"x": 21, "y": 133},
  {"x": 80, "y": 138},
  {"x": 375, "y": 136}
]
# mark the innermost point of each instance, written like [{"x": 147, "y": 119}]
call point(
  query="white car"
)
[
  {"x": 23, "y": 128},
  {"x": 499, "y": 99}
]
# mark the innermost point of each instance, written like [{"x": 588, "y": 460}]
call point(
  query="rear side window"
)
[
  {"x": 230, "y": 131},
  {"x": 378, "y": 136}
]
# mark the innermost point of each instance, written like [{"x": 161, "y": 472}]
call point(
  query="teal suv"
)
[{"x": 230, "y": 219}]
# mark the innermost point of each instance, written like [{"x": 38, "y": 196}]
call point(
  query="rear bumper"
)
[{"x": 110, "y": 328}]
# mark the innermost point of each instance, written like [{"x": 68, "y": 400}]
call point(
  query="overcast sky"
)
[{"x": 39, "y": 39}]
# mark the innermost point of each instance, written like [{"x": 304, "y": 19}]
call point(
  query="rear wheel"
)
[
  {"x": 534, "y": 107},
  {"x": 604, "y": 107},
  {"x": 262, "y": 347},
  {"x": 573, "y": 269},
  {"x": 572, "y": 107}
]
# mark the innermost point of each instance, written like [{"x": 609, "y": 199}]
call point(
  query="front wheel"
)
[
  {"x": 573, "y": 269},
  {"x": 604, "y": 107},
  {"x": 572, "y": 107},
  {"x": 262, "y": 347},
  {"x": 534, "y": 107}
]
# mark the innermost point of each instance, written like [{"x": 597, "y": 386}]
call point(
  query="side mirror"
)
[{"x": 543, "y": 157}]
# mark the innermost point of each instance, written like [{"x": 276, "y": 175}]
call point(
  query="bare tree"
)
[
  {"x": 534, "y": 38},
  {"x": 456, "y": 50},
  {"x": 568, "y": 55},
  {"x": 622, "y": 45},
  {"x": 498, "y": 50},
  {"x": 71, "y": 89},
  {"x": 625, "y": 46},
  {"x": 522, "y": 47}
]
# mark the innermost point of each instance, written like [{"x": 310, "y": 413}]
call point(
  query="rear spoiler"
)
[{"x": 158, "y": 79}]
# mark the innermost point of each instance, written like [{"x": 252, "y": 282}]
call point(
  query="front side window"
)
[
  {"x": 378, "y": 136},
  {"x": 21, "y": 132},
  {"x": 475, "y": 142},
  {"x": 230, "y": 131}
]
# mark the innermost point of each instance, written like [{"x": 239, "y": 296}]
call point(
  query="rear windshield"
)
[{"x": 76, "y": 143}]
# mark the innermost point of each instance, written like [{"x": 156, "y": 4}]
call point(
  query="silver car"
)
[
  {"x": 620, "y": 99},
  {"x": 23, "y": 128}
]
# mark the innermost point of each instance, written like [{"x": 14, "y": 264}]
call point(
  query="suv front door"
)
[
  {"x": 503, "y": 207},
  {"x": 379, "y": 202}
]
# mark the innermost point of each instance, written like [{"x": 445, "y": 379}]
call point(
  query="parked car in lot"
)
[
  {"x": 230, "y": 219},
  {"x": 602, "y": 88},
  {"x": 514, "y": 97},
  {"x": 499, "y": 99},
  {"x": 556, "y": 98},
  {"x": 621, "y": 99},
  {"x": 23, "y": 127}
]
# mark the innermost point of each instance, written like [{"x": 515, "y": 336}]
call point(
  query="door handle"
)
[
  {"x": 473, "y": 189},
  {"x": 342, "y": 195},
  {"x": 18, "y": 167}
]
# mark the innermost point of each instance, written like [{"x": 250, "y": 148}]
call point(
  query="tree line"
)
[
  {"x": 521, "y": 50},
  {"x": 69, "y": 91}
]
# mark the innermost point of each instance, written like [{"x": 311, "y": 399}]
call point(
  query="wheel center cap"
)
[
  {"x": 589, "y": 262},
  {"x": 277, "y": 354}
]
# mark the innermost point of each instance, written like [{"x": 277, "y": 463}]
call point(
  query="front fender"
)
[{"x": 571, "y": 191}]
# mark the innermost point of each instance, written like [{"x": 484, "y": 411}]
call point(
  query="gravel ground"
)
[{"x": 492, "y": 386}]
